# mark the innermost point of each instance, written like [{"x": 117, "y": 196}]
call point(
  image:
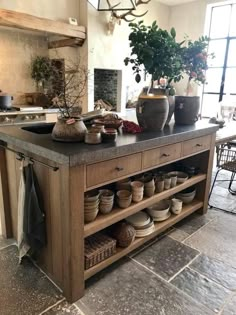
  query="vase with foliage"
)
[
  {"x": 195, "y": 59},
  {"x": 156, "y": 52},
  {"x": 70, "y": 126}
]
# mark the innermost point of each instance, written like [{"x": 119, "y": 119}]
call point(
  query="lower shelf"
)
[{"x": 159, "y": 228}]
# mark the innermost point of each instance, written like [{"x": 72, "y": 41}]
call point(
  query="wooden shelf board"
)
[
  {"x": 104, "y": 220},
  {"x": 159, "y": 228},
  {"x": 33, "y": 23}
]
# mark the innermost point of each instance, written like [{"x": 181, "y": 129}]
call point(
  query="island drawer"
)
[
  {"x": 109, "y": 170},
  {"x": 161, "y": 155},
  {"x": 196, "y": 145}
]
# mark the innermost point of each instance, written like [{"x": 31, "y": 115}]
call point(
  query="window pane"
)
[
  {"x": 213, "y": 77},
  {"x": 218, "y": 27},
  {"x": 217, "y": 47},
  {"x": 233, "y": 22},
  {"x": 210, "y": 105},
  {"x": 230, "y": 81},
  {"x": 232, "y": 54}
]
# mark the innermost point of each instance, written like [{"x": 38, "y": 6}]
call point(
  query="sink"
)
[{"x": 41, "y": 129}]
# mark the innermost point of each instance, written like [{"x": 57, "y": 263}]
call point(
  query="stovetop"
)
[{"x": 9, "y": 110}]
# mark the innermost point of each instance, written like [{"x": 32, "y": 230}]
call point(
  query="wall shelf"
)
[
  {"x": 159, "y": 228},
  {"x": 75, "y": 35}
]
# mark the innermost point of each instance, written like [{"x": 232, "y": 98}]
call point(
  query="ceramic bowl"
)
[
  {"x": 92, "y": 195},
  {"x": 124, "y": 194},
  {"x": 181, "y": 176},
  {"x": 188, "y": 191},
  {"x": 123, "y": 184},
  {"x": 159, "y": 209},
  {"x": 124, "y": 203}
]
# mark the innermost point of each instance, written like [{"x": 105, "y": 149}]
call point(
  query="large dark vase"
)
[
  {"x": 152, "y": 111},
  {"x": 186, "y": 109},
  {"x": 171, "y": 100}
]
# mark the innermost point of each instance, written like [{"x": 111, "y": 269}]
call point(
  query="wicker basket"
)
[{"x": 98, "y": 247}]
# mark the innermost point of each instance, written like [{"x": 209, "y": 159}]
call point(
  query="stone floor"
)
[{"x": 190, "y": 270}]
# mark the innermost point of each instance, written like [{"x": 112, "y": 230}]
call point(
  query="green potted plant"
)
[
  {"x": 41, "y": 71},
  {"x": 157, "y": 53},
  {"x": 195, "y": 58}
]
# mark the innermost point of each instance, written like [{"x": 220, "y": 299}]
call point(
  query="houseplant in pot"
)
[
  {"x": 195, "y": 58},
  {"x": 69, "y": 126},
  {"x": 156, "y": 52}
]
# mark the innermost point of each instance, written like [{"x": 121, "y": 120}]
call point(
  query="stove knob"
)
[
  {"x": 6, "y": 119},
  {"x": 37, "y": 116}
]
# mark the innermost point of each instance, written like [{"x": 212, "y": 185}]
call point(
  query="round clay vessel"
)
[
  {"x": 69, "y": 130},
  {"x": 124, "y": 233}
]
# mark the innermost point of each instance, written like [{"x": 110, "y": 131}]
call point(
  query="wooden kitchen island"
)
[{"x": 81, "y": 167}]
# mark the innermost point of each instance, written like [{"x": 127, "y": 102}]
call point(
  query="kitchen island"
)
[{"x": 66, "y": 171}]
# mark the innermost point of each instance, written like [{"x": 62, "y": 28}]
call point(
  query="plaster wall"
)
[
  {"x": 18, "y": 47},
  {"x": 109, "y": 51}
]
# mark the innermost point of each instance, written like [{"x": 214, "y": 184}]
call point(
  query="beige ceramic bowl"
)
[
  {"x": 160, "y": 209},
  {"x": 124, "y": 194},
  {"x": 181, "y": 176},
  {"x": 92, "y": 195}
]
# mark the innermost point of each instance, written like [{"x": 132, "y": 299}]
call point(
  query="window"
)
[{"x": 221, "y": 74}]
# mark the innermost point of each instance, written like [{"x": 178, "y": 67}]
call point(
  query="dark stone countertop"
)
[{"x": 81, "y": 153}]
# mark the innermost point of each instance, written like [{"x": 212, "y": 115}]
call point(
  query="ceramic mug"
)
[
  {"x": 176, "y": 205},
  {"x": 159, "y": 184}
]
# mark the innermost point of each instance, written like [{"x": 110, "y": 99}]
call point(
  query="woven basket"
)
[{"x": 97, "y": 248}]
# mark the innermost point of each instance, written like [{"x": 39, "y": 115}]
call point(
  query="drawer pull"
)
[
  {"x": 119, "y": 169},
  {"x": 199, "y": 145},
  {"x": 165, "y": 155}
]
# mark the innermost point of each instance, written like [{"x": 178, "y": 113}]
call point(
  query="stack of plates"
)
[{"x": 142, "y": 222}]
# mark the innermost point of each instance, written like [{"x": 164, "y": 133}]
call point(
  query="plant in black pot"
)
[
  {"x": 195, "y": 59},
  {"x": 156, "y": 52}
]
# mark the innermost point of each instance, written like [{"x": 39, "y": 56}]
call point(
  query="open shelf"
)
[
  {"x": 104, "y": 220},
  {"x": 159, "y": 228}
]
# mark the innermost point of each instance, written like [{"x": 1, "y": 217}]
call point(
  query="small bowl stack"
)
[
  {"x": 181, "y": 176},
  {"x": 137, "y": 190},
  {"x": 149, "y": 186},
  {"x": 124, "y": 198},
  {"x": 142, "y": 223},
  {"x": 106, "y": 201},
  {"x": 187, "y": 195},
  {"x": 91, "y": 204},
  {"x": 160, "y": 210}
]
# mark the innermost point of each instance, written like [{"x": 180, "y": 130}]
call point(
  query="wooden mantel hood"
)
[{"x": 75, "y": 34}]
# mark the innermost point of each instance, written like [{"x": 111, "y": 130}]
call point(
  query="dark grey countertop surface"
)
[{"x": 81, "y": 153}]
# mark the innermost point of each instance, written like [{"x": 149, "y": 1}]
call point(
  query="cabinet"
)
[{"x": 63, "y": 195}]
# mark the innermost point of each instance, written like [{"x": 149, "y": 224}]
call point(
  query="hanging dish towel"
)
[
  {"x": 33, "y": 235},
  {"x": 23, "y": 246}
]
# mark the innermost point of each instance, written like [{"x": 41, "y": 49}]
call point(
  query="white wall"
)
[
  {"x": 109, "y": 51},
  {"x": 189, "y": 19}
]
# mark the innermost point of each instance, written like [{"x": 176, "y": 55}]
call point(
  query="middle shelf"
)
[{"x": 104, "y": 220}]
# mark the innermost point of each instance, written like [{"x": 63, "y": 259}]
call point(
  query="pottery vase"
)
[{"x": 69, "y": 130}]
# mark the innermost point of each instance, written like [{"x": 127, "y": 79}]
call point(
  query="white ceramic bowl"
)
[{"x": 159, "y": 209}]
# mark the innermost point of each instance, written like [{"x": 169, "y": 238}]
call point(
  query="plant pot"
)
[
  {"x": 152, "y": 111},
  {"x": 186, "y": 109},
  {"x": 65, "y": 131},
  {"x": 171, "y": 100}
]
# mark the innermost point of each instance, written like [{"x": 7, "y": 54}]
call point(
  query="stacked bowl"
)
[
  {"x": 187, "y": 195},
  {"x": 149, "y": 186},
  {"x": 106, "y": 200},
  {"x": 91, "y": 204},
  {"x": 142, "y": 223},
  {"x": 160, "y": 210},
  {"x": 124, "y": 198},
  {"x": 137, "y": 190}
]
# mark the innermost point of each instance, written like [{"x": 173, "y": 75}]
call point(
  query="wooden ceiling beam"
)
[{"x": 34, "y": 23}]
